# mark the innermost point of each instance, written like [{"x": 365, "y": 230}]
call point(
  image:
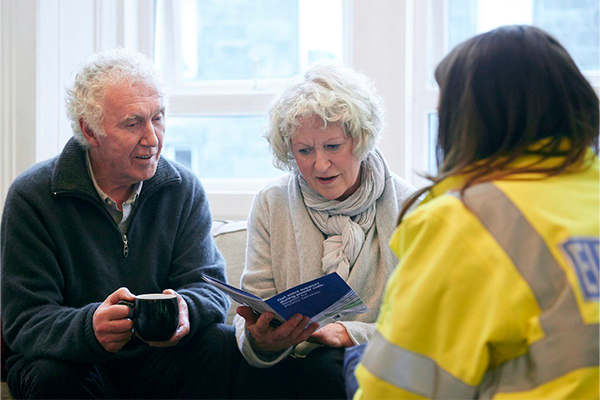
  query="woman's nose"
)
[{"x": 321, "y": 161}]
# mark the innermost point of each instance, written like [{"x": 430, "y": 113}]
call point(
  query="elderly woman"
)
[{"x": 334, "y": 211}]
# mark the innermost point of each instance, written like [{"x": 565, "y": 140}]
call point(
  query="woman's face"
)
[{"x": 325, "y": 158}]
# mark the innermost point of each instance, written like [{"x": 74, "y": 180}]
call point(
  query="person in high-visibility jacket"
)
[{"x": 496, "y": 291}]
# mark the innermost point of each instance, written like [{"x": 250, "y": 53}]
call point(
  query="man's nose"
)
[{"x": 149, "y": 137}]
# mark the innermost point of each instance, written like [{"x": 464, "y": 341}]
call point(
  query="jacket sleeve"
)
[
  {"x": 35, "y": 322},
  {"x": 452, "y": 308},
  {"x": 195, "y": 253},
  {"x": 257, "y": 279},
  {"x": 359, "y": 332}
]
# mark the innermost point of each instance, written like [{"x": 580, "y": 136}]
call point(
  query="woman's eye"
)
[
  {"x": 304, "y": 152},
  {"x": 333, "y": 146}
]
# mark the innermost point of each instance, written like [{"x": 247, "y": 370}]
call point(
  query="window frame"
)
[
  {"x": 431, "y": 26},
  {"x": 237, "y": 98}
]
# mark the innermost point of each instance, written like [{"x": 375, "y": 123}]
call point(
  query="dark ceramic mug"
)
[{"x": 155, "y": 315}]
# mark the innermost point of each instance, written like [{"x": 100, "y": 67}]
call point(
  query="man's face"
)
[{"x": 134, "y": 125}]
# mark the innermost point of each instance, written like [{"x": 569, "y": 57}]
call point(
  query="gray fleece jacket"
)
[{"x": 62, "y": 254}]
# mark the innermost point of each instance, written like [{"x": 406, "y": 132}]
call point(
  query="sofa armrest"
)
[{"x": 230, "y": 238}]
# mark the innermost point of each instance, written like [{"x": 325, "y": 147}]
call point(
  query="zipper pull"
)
[{"x": 125, "y": 246}]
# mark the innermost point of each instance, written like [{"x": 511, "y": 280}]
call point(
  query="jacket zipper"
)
[
  {"x": 124, "y": 236},
  {"x": 125, "y": 246}
]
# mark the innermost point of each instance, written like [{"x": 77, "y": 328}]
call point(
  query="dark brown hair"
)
[{"x": 502, "y": 91}]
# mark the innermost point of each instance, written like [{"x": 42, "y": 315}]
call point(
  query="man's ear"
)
[{"x": 88, "y": 133}]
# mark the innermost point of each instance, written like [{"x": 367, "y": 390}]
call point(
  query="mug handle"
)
[{"x": 129, "y": 304}]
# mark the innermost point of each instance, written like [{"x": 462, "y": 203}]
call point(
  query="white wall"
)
[
  {"x": 17, "y": 89},
  {"x": 42, "y": 43}
]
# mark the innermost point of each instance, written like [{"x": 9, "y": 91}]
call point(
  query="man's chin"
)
[{"x": 146, "y": 173}]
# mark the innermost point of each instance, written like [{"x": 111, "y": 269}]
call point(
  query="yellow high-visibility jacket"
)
[{"x": 497, "y": 300}]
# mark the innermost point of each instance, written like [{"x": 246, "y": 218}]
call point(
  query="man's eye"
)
[{"x": 131, "y": 124}]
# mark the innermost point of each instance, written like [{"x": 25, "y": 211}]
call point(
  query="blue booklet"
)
[{"x": 325, "y": 299}]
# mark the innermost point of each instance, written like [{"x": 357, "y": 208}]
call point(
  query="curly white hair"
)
[
  {"x": 114, "y": 67},
  {"x": 336, "y": 94}
]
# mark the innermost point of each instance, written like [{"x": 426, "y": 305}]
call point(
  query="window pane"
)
[
  {"x": 433, "y": 124},
  {"x": 221, "y": 48},
  {"x": 256, "y": 39},
  {"x": 220, "y": 147},
  {"x": 184, "y": 156},
  {"x": 575, "y": 23}
]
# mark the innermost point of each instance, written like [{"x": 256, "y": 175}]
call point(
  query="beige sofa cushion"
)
[{"x": 230, "y": 238}]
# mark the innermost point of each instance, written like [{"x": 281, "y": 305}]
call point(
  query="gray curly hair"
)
[
  {"x": 336, "y": 94},
  {"x": 98, "y": 71}
]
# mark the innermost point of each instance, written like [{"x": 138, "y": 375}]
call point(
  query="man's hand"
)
[
  {"x": 184, "y": 323},
  {"x": 332, "y": 335},
  {"x": 268, "y": 339},
  {"x": 111, "y": 326}
]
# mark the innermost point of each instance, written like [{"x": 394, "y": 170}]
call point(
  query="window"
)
[
  {"x": 223, "y": 61},
  {"x": 254, "y": 39},
  {"x": 223, "y": 147},
  {"x": 223, "y": 70},
  {"x": 575, "y": 23}
]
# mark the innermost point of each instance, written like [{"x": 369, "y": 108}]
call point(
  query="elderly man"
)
[{"x": 107, "y": 219}]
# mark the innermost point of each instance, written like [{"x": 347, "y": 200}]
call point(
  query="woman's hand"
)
[
  {"x": 332, "y": 335},
  {"x": 268, "y": 339}
]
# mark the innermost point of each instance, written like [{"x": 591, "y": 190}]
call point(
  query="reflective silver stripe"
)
[
  {"x": 569, "y": 343},
  {"x": 411, "y": 371},
  {"x": 546, "y": 360},
  {"x": 512, "y": 231}
]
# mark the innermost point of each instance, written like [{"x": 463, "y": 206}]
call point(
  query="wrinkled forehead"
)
[
  {"x": 316, "y": 130},
  {"x": 314, "y": 121},
  {"x": 139, "y": 99},
  {"x": 132, "y": 85},
  {"x": 138, "y": 89},
  {"x": 311, "y": 121}
]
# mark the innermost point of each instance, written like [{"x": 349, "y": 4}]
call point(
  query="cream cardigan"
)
[{"x": 285, "y": 249}]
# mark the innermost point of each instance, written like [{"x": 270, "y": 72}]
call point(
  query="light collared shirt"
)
[{"x": 121, "y": 218}]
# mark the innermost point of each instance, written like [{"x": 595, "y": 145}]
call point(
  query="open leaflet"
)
[{"x": 325, "y": 299}]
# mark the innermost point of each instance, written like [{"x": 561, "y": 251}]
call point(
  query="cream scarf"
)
[{"x": 344, "y": 223}]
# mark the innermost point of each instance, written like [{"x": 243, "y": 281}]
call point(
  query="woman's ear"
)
[{"x": 88, "y": 133}]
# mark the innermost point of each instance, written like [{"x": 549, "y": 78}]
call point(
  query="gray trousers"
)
[{"x": 204, "y": 367}]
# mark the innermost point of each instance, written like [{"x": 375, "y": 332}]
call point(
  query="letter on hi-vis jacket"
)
[{"x": 583, "y": 253}]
